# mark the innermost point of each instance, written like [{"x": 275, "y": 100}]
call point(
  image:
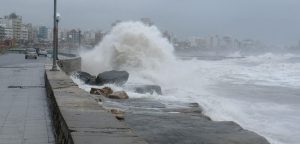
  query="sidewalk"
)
[{"x": 23, "y": 105}]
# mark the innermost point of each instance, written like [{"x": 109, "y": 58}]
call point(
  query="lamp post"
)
[
  {"x": 79, "y": 39},
  {"x": 56, "y": 35},
  {"x": 54, "y": 53}
]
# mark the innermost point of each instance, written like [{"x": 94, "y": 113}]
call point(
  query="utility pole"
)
[
  {"x": 56, "y": 35},
  {"x": 79, "y": 38},
  {"x": 54, "y": 53}
]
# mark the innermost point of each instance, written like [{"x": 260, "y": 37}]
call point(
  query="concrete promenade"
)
[{"x": 24, "y": 117}]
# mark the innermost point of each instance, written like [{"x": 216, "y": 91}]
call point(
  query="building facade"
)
[
  {"x": 24, "y": 33},
  {"x": 89, "y": 37},
  {"x": 2, "y": 32},
  {"x": 73, "y": 36},
  {"x": 15, "y": 22},
  {"x": 9, "y": 33},
  {"x": 43, "y": 33},
  {"x": 50, "y": 35},
  {"x": 30, "y": 32}
]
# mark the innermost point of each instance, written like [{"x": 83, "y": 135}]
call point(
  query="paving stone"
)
[
  {"x": 11, "y": 140},
  {"x": 23, "y": 101}
]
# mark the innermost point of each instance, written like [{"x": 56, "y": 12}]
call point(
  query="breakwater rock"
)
[
  {"x": 108, "y": 77},
  {"x": 112, "y": 77},
  {"x": 145, "y": 88},
  {"x": 109, "y": 93},
  {"x": 85, "y": 77}
]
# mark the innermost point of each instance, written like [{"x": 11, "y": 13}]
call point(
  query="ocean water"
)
[{"x": 261, "y": 93}]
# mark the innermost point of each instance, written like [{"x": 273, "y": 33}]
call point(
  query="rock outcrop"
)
[
  {"x": 108, "y": 77},
  {"x": 118, "y": 95},
  {"x": 85, "y": 77},
  {"x": 143, "y": 89},
  {"x": 104, "y": 91},
  {"x": 112, "y": 77},
  {"x": 109, "y": 93}
]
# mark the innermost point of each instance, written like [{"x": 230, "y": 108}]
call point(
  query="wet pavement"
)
[{"x": 24, "y": 117}]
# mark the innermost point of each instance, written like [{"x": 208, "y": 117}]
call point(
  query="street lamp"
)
[
  {"x": 55, "y": 41},
  {"x": 56, "y": 47}
]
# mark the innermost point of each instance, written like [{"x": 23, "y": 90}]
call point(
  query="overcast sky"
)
[{"x": 272, "y": 21}]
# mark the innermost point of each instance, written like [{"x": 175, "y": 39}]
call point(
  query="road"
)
[{"x": 24, "y": 117}]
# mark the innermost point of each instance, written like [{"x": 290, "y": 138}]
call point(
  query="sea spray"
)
[{"x": 130, "y": 46}]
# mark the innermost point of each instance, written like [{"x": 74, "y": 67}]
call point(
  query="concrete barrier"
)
[
  {"x": 77, "y": 118},
  {"x": 67, "y": 54},
  {"x": 16, "y": 50},
  {"x": 69, "y": 64}
]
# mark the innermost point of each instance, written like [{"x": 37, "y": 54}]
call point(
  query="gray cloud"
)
[{"x": 271, "y": 21}]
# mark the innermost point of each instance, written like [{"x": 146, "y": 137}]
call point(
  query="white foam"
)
[{"x": 129, "y": 46}]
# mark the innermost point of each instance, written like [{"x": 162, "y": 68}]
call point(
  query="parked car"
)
[
  {"x": 42, "y": 52},
  {"x": 30, "y": 53}
]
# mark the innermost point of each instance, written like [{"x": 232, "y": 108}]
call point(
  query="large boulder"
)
[
  {"x": 85, "y": 77},
  {"x": 143, "y": 89},
  {"x": 104, "y": 91},
  {"x": 118, "y": 95},
  {"x": 112, "y": 77}
]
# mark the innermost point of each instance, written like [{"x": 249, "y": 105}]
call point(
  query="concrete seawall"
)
[
  {"x": 69, "y": 64},
  {"x": 78, "y": 119}
]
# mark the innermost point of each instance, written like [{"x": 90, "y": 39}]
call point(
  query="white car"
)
[
  {"x": 30, "y": 53},
  {"x": 42, "y": 52}
]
